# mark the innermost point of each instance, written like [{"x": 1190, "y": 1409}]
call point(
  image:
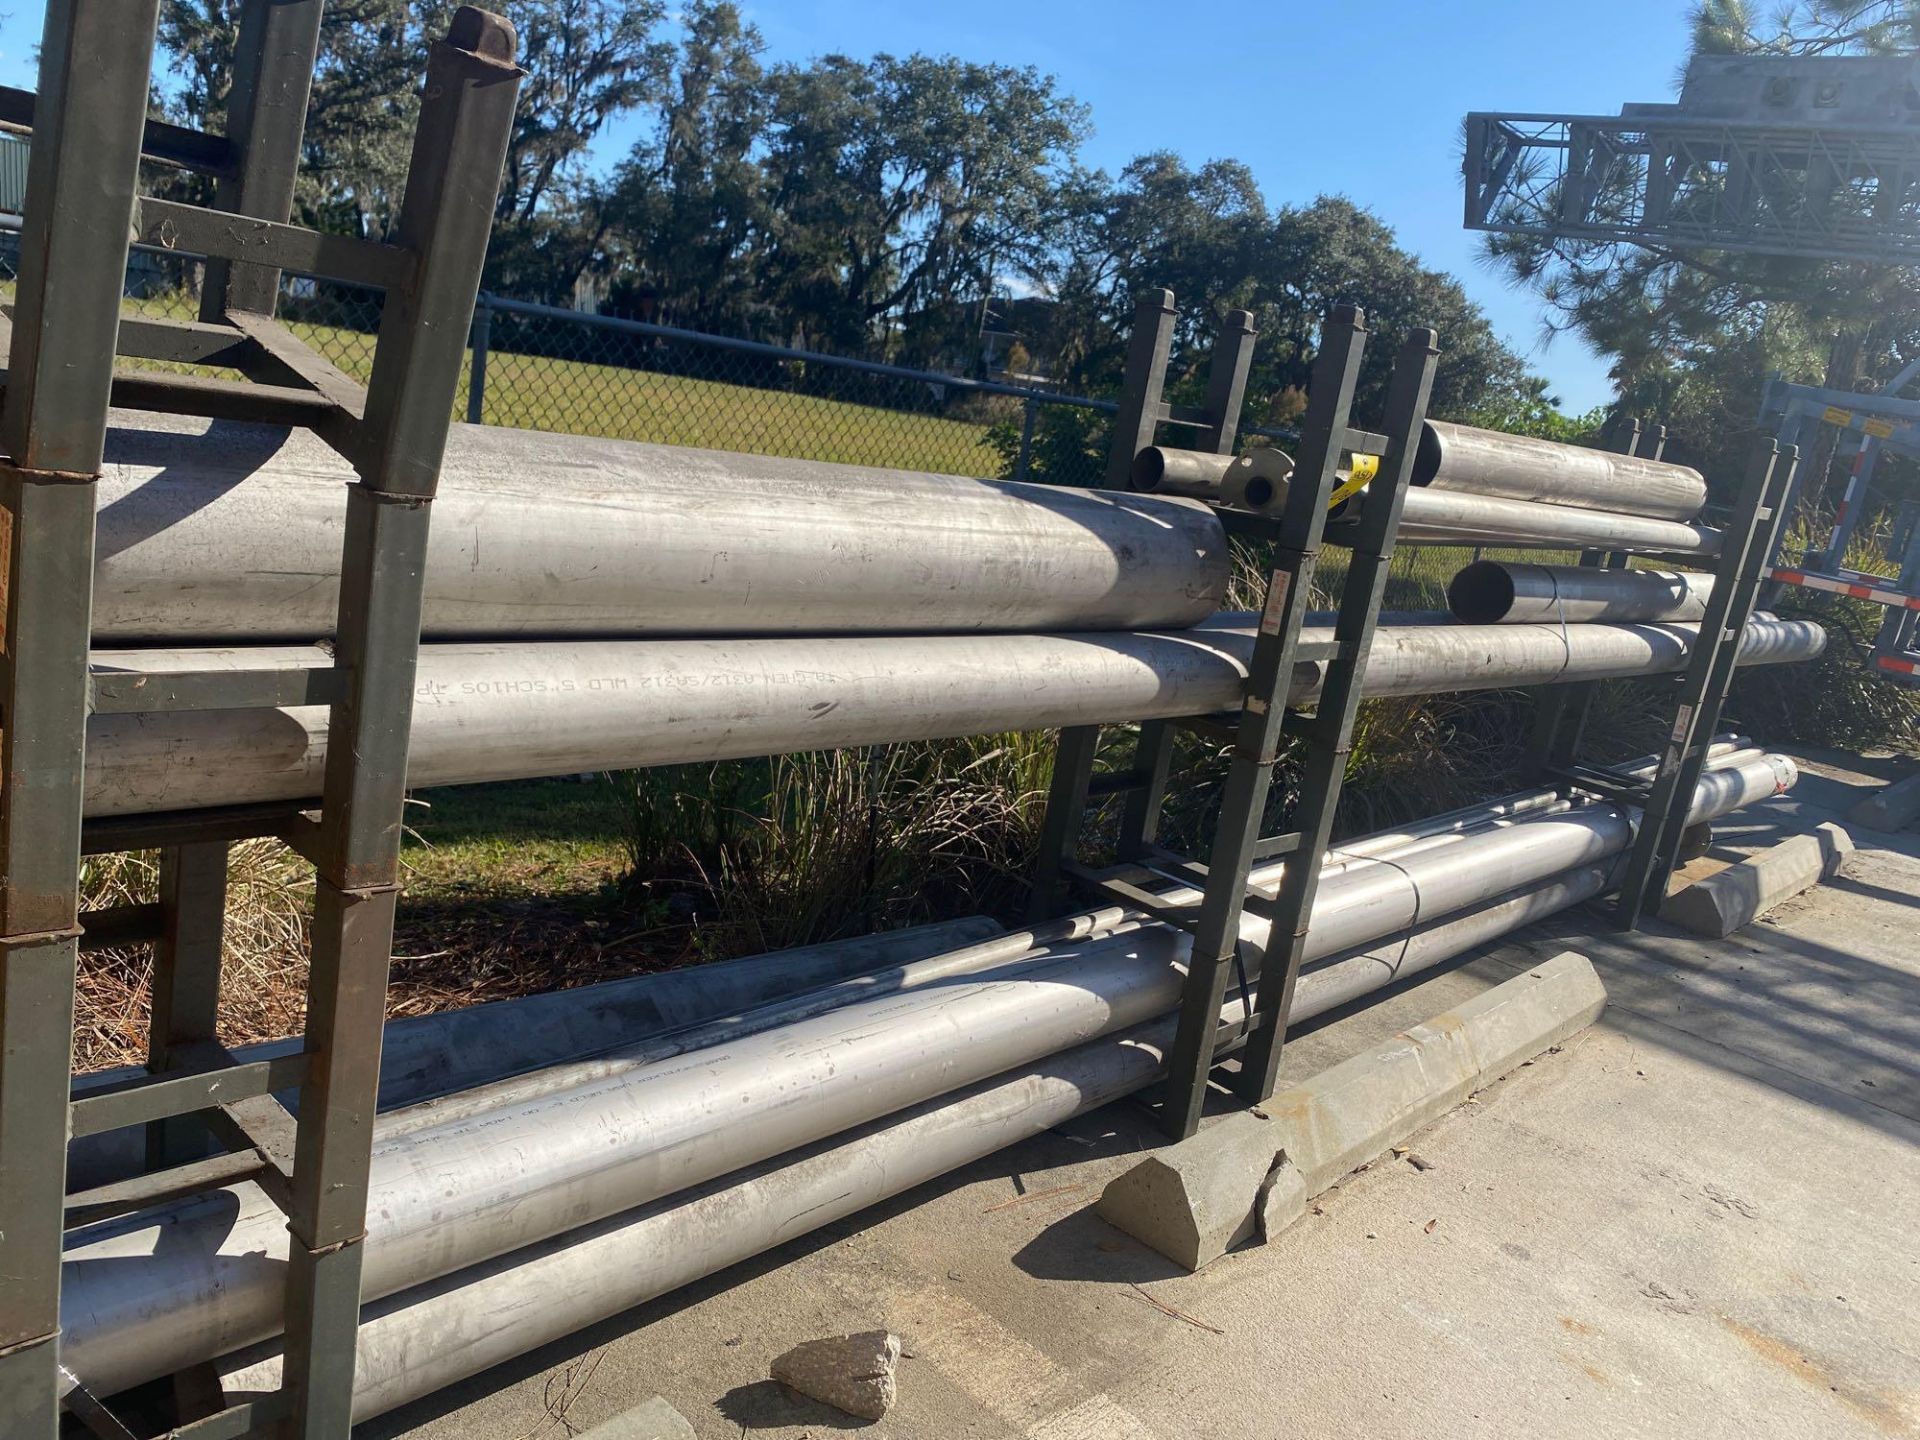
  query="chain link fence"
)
[
  {"x": 542, "y": 368},
  {"x": 538, "y": 367}
]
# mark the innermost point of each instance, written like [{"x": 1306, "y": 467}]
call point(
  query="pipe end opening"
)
[
  {"x": 1427, "y": 455},
  {"x": 1149, "y": 468},
  {"x": 1481, "y": 593}
]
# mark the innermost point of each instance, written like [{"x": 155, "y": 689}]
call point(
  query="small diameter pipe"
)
[
  {"x": 1447, "y": 517},
  {"x": 1254, "y": 481},
  {"x": 151, "y": 1294},
  {"x": 425, "y": 1056},
  {"x": 1518, "y": 467},
  {"x": 1258, "y": 481},
  {"x": 977, "y": 959},
  {"x": 637, "y": 1050},
  {"x": 1499, "y": 592},
  {"x": 1483, "y": 813},
  {"x": 499, "y": 712},
  {"x": 1006, "y": 952},
  {"x": 421, "y": 1340},
  {"x": 466, "y": 1054},
  {"x": 426, "y": 1338},
  {"x": 1164, "y": 470}
]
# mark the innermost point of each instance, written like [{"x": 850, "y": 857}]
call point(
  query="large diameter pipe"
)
[
  {"x": 1447, "y": 517},
  {"x": 206, "y": 1278},
  {"x": 219, "y": 531},
  {"x": 498, "y": 712},
  {"x": 424, "y": 1339},
  {"x": 1498, "y": 592},
  {"x": 1518, "y": 467}
]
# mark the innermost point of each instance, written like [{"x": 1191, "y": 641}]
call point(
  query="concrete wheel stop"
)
[
  {"x": 1251, "y": 1174},
  {"x": 1723, "y": 902},
  {"x": 1891, "y": 808}
]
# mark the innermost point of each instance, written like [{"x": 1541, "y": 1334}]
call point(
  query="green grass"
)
[
  {"x": 577, "y": 397},
  {"x": 533, "y": 392}
]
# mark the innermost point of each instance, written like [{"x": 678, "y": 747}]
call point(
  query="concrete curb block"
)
[
  {"x": 1721, "y": 903},
  {"x": 1257, "y": 1169},
  {"x": 1893, "y": 808},
  {"x": 655, "y": 1420}
]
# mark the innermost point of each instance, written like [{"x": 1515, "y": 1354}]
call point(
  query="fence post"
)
[
  {"x": 1030, "y": 411},
  {"x": 479, "y": 338}
]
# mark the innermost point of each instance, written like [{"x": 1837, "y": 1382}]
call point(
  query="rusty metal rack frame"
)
[
  {"x": 1255, "y": 732},
  {"x": 211, "y": 1121},
  {"x": 1750, "y": 536}
]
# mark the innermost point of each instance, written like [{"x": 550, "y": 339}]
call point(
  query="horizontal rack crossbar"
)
[
  {"x": 210, "y": 1084},
  {"x": 197, "y": 230}
]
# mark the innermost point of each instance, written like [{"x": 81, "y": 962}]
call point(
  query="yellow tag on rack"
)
[
  {"x": 1365, "y": 467},
  {"x": 1834, "y": 415},
  {"x": 1879, "y": 429}
]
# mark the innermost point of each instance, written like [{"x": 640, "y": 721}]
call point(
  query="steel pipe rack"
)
[
  {"x": 1504, "y": 480},
  {"x": 1258, "y": 722},
  {"x": 1750, "y": 537},
  {"x": 90, "y": 134}
]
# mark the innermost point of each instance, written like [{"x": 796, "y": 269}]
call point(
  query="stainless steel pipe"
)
[
  {"x": 1391, "y": 848},
  {"x": 203, "y": 1279},
  {"x": 1164, "y": 470},
  {"x": 1446, "y": 517},
  {"x": 426, "y": 1338},
  {"x": 497, "y": 712},
  {"x": 571, "y": 1036},
  {"x": 221, "y": 531},
  {"x": 1256, "y": 480},
  {"x": 1499, "y": 592},
  {"x": 426, "y": 1056},
  {"x": 1518, "y": 467}
]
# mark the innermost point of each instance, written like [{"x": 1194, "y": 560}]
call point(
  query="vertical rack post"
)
[
  {"x": 445, "y": 218},
  {"x": 73, "y": 255},
  {"x": 1228, "y": 365},
  {"x": 81, "y": 208},
  {"x": 1142, "y": 411},
  {"x": 266, "y": 118},
  {"x": 1256, "y": 742},
  {"x": 1148, "y": 350},
  {"x": 1750, "y": 537},
  {"x": 1255, "y": 731},
  {"x": 186, "y": 979},
  {"x": 1330, "y": 730},
  {"x": 1227, "y": 369}
]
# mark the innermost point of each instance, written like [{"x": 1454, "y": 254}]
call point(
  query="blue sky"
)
[{"x": 1363, "y": 100}]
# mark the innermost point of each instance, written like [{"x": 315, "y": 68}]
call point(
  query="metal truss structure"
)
[{"x": 1817, "y": 158}]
